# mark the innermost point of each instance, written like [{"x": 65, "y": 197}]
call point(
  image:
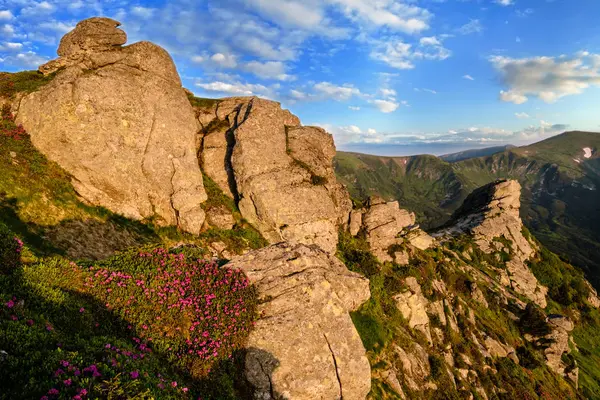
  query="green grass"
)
[
  {"x": 202, "y": 102},
  {"x": 25, "y": 82}
]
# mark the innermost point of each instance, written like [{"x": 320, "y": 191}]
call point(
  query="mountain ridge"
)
[{"x": 560, "y": 188}]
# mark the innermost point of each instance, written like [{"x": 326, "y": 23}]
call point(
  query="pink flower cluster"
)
[
  {"x": 193, "y": 309},
  {"x": 20, "y": 244}
]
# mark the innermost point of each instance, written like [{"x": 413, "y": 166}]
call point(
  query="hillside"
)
[{"x": 560, "y": 196}]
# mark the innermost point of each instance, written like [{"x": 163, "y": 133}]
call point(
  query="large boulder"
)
[
  {"x": 305, "y": 345},
  {"x": 117, "y": 119},
  {"x": 491, "y": 215},
  {"x": 280, "y": 173}
]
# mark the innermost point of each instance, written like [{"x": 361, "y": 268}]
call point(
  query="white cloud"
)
[
  {"x": 398, "y": 54},
  {"x": 339, "y": 93},
  {"x": 224, "y": 60},
  {"x": 27, "y": 59},
  {"x": 387, "y": 92},
  {"x": 237, "y": 89},
  {"x": 354, "y": 108},
  {"x": 522, "y": 115},
  {"x": 11, "y": 46},
  {"x": 38, "y": 9},
  {"x": 468, "y": 77},
  {"x": 505, "y": 2},
  {"x": 394, "y": 15},
  {"x": 371, "y": 131},
  {"x": 269, "y": 70},
  {"x": 512, "y": 97},
  {"x": 473, "y": 26},
  {"x": 386, "y": 106},
  {"x": 57, "y": 26},
  {"x": 6, "y": 15},
  {"x": 547, "y": 78},
  {"x": 143, "y": 12},
  {"x": 298, "y": 95},
  {"x": 430, "y": 91}
]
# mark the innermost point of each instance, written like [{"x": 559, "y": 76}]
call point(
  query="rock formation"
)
[
  {"x": 305, "y": 345},
  {"x": 385, "y": 224},
  {"x": 413, "y": 307},
  {"x": 280, "y": 172},
  {"x": 491, "y": 215},
  {"x": 558, "y": 340},
  {"x": 117, "y": 119}
]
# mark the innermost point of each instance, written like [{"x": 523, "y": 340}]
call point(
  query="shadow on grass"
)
[{"x": 88, "y": 239}]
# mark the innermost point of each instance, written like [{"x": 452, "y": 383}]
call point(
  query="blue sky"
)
[{"x": 390, "y": 77}]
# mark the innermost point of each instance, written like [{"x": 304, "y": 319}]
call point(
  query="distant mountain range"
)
[
  {"x": 465, "y": 155},
  {"x": 560, "y": 177}
]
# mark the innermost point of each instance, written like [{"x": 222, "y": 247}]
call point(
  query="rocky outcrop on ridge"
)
[
  {"x": 491, "y": 215},
  {"x": 305, "y": 345},
  {"x": 385, "y": 224},
  {"x": 280, "y": 172},
  {"x": 117, "y": 119}
]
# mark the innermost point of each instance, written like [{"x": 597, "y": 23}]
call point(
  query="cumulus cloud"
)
[
  {"x": 512, "y": 97},
  {"x": 269, "y": 70},
  {"x": 395, "y": 15},
  {"x": 354, "y": 108},
  {"x": 522, "y": 115},
  {"x": 401, "y": 55},
  {"x": 386, "y": 106},
  {"x": 338, "y": 93},
  {"x": 547, "y": 78},
  {"x": 237, "y": 89},
  {"x": 505, "y": 2},
  {"x": 6, "y": 15},
  {"x": 468, "y": 77}
]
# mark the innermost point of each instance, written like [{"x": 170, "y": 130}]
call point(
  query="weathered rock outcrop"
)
[
  {"x": 117, "y": 119},
  {"x": 558, "y": 340},
  {"x": 280, "y": 173},
  {"x": 491, "y": 215},
  {"x": 413, "y": 307},
  {"x": 305, "y": 345},
  {"x": 385, "y": 224}
]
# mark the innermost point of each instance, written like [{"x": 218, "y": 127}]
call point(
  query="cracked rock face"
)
[
  {"x": 117, "y": 119},
  {"x": 490, "y": 213},
  {"x": 305, "y": 345},
  {"x": 280, "y": 173}
]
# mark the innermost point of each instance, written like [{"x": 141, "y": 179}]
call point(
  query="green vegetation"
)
[
  {"x": 10, "y": 251},
  {"x": 24, "y": 81},
  {"x": 202, "y": 102}
]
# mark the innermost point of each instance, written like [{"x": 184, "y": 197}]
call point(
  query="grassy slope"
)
[
  {"x": 382, "y": 327},
  {"x": 557, "y": 206}
]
